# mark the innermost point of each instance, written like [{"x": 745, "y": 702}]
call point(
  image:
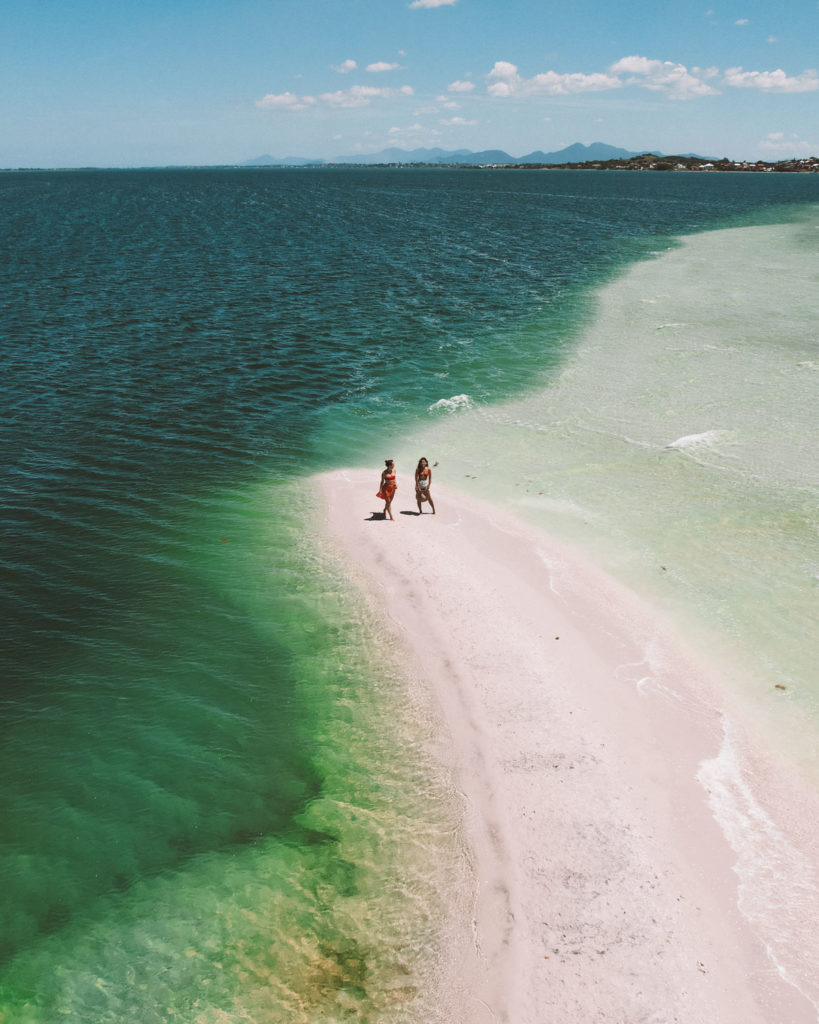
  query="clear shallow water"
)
[
  {"x": 218, "y": 803},
  {"x": 214, "y": 823},
  {"x": 679, "y": 444}
]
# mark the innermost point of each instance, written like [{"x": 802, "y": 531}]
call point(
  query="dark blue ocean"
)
[{"x": 217, "y": 804}]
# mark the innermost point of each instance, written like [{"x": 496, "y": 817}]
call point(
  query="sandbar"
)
[{"x": 574, "y": 724}]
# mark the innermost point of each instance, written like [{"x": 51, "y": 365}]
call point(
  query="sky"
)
[{"x": 162, "y": 82}]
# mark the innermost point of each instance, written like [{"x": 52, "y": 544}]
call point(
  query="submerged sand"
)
[{"x": 574, "y": 725}]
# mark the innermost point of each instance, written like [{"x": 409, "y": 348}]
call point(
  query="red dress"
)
[{"x": 388, "y": 490}]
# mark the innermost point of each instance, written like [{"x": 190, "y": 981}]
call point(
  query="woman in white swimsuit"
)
[{"x": 423, "y": 482}]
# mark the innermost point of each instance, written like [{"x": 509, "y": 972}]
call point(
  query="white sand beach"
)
[{"x": 574, "y": 724}]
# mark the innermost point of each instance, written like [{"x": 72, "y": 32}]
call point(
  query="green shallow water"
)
[{"x": 339, "y": 916}]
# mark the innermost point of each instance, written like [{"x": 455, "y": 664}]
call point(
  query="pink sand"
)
[{"x": 574, "y": 726}]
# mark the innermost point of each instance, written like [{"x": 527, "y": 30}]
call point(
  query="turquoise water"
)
[{"x": 219, "y": 804}]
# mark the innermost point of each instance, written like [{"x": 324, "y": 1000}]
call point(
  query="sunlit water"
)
[{"x": 219, "y": 802}]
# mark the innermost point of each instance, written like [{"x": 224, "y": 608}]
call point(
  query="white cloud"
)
[
  {"x": 505, "y": 81},
  {"x": 563, "y": 85},
  {"x": 413, "y": 135},
  {"x": 772, "y": 81},
  {"x": 665, "y": 76},
  {"x": 355, "y": 96},
  {"x": 776, "y": 143},
  {"x": 361, "y": 95},
  {"x": 382, "y": 65},
  {"x": 741, "y": 21},
  {"x": 457, "y": 121},
  {"x": 285, "y": 101},
  {"x": 346, "y": 66},
  {"x": 461, "y": 86},
  {"x": 431, "y": 3},
  {"x": 635, "y": 65},
  {"x": 677, "y": 81}
]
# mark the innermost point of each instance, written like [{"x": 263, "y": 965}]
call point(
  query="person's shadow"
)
[{"x": 379, "y": 517}]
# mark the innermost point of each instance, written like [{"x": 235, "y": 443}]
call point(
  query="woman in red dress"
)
[{"x": 388, "y": 487}]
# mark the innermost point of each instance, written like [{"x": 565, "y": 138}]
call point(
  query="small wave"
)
[
  {"x": 704, "y": 440},
  {"x": 774, "y": 876},
  {"x": 452, "y": 404}
]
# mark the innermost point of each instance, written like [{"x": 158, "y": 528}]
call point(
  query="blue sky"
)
[{"x": 87, "y": 82}]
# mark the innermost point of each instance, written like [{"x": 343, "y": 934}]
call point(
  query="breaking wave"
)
[{"x": 452, "y": 404}]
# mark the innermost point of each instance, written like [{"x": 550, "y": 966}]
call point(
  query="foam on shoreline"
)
[{"x": 575, "y": 728}]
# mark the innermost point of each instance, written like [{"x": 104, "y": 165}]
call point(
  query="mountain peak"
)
[{"x": 574, "y": 154}]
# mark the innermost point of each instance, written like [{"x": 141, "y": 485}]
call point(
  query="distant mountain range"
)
[{"x": 577, "y": 153}]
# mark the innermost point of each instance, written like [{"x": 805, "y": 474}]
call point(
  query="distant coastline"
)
[
  {"x": 598, "y": 156},
  {"x": 644, "y": 162},
  {"x": 651, "y": 162}
]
